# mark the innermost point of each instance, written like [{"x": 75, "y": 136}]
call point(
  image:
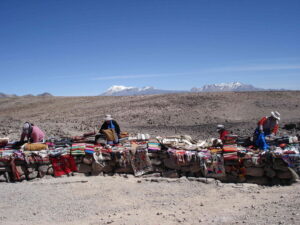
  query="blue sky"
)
[{"x": 71, "y": 47}]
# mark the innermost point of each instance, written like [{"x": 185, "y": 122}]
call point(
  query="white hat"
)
[
  {"x": 276, "y": 115},
  {"x": 108, "y": 117},
  {"x": 220, "y": 127}
]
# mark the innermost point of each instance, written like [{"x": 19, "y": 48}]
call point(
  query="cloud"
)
[
  {"x": 131, "y": 76},
  {"x": 255, "y": 68}
]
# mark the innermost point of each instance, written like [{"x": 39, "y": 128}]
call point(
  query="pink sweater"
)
[{"x": 37, "y": 135}]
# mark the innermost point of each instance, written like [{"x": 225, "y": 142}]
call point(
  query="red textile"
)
[
  {"x": 223, "y": 134},
  {"x": 63, "y": 165}
]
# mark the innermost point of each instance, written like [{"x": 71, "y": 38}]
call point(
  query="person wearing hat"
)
[
  {"x": 110, "y": 123},
  {"x": 221, "y": 130},
  {"x": 267, "y": 126},
  {"x": 32, "y": 133}
]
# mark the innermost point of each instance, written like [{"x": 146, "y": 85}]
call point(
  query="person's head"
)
[
  {"x": 27, "y": 128},
  {"x": 220, "y": 127},
  {"x": 108, "y": 118},
  {"x": 275, "y": 115}
]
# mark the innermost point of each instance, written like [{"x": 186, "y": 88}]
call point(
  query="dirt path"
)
[{"x": 119, "y": 200}]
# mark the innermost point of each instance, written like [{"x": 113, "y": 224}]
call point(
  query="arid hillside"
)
[{"x": 192, "y": 113}]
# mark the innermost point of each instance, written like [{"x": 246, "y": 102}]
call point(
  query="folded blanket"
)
[
  {"x": 154, "y": 146},
  {"x": 230, "y": 148},
  {"x": 35, "y": 147}
]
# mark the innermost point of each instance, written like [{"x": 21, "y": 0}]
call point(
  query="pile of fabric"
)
[{"x": 234, "y": 160}]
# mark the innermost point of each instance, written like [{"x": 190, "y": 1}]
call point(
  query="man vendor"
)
[
  {"x": 110, "y": 123},
  {"x": 267, "y": 126},
  {"x": 32, "y": 133}
]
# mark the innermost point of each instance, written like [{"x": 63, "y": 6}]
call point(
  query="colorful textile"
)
[
  {"x": 230, "y": 156},
  {"x": 152, "y": 146},
  {"x": 212, "y": 166},
  {"x": 223, "y": 135},
  {"x": 63, "y": 165},
  {"x": 177, "y": 156},
  {"x": 89, "y": 149},
  {"x": 122, "y": 158},
  {"x": 230, "y": 148},
  {"x": 230, "y": 139},
  {"x": 140, "y": 162},
  {"x": 78, "y": 149}
]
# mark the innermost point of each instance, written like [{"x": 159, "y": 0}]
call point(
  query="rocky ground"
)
[
  {"x": 129, "y": 200},
  {"x": 195, "y": 114}
]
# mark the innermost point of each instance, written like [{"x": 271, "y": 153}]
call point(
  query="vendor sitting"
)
[
  {"x": 110, "y": 123},
  {"x": 32, "y": 133}
]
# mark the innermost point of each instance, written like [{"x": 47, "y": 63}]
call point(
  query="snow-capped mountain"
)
[
  {"x": 222, "y": 87},
  {"x": 234, "y": 86},
  {"x": 129, "y": 91},
  {"x": 2, "y": 95}
]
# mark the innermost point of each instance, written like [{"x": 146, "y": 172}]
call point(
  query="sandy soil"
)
[{"x": 129, "y": 200}]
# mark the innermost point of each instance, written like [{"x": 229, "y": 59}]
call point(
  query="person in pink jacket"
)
[{"x": 32, "y": 133}]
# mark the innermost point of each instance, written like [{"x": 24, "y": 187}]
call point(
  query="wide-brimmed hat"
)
[
  {"x": 276, "y": 115},
  {"x": 220, "y": 127},
  {"x": 108, "y": 117}
]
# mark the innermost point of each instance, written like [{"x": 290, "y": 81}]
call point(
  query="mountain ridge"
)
[{"x": 221, "y": 87}]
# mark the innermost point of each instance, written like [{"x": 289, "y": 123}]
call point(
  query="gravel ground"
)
[{"x": 129, "y": 200}]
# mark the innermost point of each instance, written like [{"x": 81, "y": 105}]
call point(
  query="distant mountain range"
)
[
  {"x": 223, "y": 87},
  {"x": 131, "y": 91},
  {"x": 2, "y": 95}
]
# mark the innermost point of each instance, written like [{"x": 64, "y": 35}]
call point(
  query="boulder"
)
[{"x": 254, "y": 171}]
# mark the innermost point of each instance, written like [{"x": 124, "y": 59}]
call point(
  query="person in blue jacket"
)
[{"x": 110, "y": 123}]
